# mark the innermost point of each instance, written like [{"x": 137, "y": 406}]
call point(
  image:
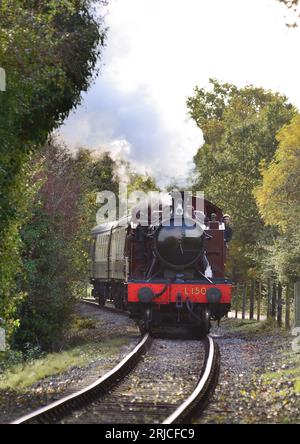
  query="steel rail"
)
[
  {"x": 58, "y": 409},
  {"x": 205, "y": 385}
]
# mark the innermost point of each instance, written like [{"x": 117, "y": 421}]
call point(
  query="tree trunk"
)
[
  {"x": 252, "y": 299},
  {"x": 279, "y": 305}
]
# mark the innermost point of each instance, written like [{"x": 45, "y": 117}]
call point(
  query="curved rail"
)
[
  {"x": 204, "y": 387},
  {"x": 64, "y": 406}
]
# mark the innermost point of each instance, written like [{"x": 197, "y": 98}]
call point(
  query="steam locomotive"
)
[{"x": 164, "y": 273}]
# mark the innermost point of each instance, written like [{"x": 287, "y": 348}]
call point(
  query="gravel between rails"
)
[{"x": 163, "y": 379}]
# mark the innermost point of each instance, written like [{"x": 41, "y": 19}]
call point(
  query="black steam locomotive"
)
[{"x": 164, "y": 273}]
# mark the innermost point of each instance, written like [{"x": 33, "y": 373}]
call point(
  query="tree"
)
[
  {"x": 239, "y": 128},
  {"x": 56, "y": 239},
  {"x": 278, "y": 199},
  {"x": 292, "y": 5},
  {"x": 49, "y": 51},
  {"x": 141, "y": 182}
]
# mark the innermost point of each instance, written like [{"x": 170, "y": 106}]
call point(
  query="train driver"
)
[{"x": 228, "y": 229}]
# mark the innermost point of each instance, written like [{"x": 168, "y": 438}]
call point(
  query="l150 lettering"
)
[{"x": 194, "y": 291}]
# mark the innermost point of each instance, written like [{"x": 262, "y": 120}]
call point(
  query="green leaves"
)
[
  {"x": 278, "y": 199},
  {"x": 55, "y": 254},
  {"x": 239, "y": 128},
  {"x": 49, "y": 50}
]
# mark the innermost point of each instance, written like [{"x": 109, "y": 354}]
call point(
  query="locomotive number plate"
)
[{"x": 194, "y": 291}]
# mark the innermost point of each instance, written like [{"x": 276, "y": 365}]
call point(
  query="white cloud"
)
[{"x": 157, "y": 51}]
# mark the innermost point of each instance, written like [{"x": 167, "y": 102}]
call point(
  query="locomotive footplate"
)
[
  {"x": 164, "y": 293},
  {"x": 190, "y": 304}
]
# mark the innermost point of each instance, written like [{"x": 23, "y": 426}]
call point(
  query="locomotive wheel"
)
[
  {"x": 142, "y": 327},
  {"x": 120, "y": 296},
  {"x": 203, "y": 327},
  {"x": 99, "y": 293},
  {"x": 145, "y": 322},
  {"x": 101, "y": 300}
]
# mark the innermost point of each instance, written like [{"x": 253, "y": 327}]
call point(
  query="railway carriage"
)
[{"x": 164, "y": 273}]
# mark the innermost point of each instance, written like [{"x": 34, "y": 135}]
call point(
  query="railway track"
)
[
  {"x": 145, "y": 387},
  {"x": 107, "y": 307},
  {"x": 204, "y": 388},
  {"x": 58, "y": 409}
]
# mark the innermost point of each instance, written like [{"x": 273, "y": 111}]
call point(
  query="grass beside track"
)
[
  {"x": 84, "y": 344},
  {"x": 290, "y": 374},
  {"x": 20, "y": 376},
  {"x": 251, "y": 327}
]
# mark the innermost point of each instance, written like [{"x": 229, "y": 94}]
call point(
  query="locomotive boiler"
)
[{"x": 164, "y": 273}]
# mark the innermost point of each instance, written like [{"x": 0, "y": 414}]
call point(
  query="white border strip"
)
[
  {"x": 86, "y": 389},
  {"x": 178, "y": 412}
]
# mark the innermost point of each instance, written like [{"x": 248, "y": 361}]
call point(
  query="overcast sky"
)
[{"x": 157, "y": 51}]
